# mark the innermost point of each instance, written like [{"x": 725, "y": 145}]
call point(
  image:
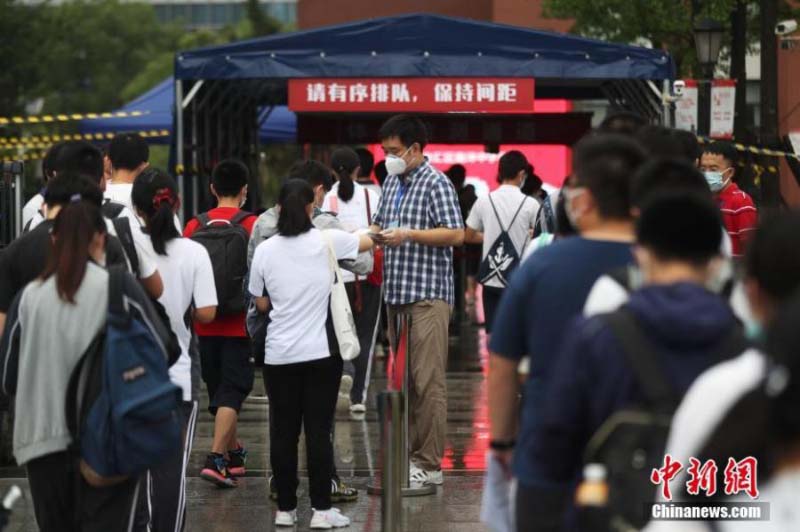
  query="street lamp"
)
[{"x": 708, "y": 35}]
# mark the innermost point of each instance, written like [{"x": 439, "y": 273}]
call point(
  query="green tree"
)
[
  {"x": 667, "y": 24},
  {"x": 19, "y": 55}
]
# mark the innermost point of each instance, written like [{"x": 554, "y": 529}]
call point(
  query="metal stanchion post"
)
[
  {"x": 390, "y": 413},
  {"x": 400, "y": 453}
]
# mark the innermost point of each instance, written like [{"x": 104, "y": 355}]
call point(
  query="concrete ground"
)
[{"x": 455, "y": 507}]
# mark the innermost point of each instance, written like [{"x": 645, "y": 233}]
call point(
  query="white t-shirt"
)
[
  {"x": 295, "y": 273},
  {"x": 352, "y": 214},
  {"x": 31, "y": 209},
  {"x": 188, "y": 279},
  {"x": 142, "y": 242},
  {"x": 120, "y": 193},
  {"x": 507, "y": 200}
]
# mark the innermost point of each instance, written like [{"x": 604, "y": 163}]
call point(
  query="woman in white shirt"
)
[
  {"x": 188, "y": 279},
  {"x": 353, "y": 205},
  {"x": 290, "y": 278}
]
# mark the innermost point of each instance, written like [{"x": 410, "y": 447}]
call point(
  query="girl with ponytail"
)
[
  {"x": 50, "y": 326},
  {"x": 302, "y": 364},
  {"x": 185, "y": 268},
  {"x": 353, "y": 203}
]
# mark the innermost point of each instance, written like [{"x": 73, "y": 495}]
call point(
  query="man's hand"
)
[{"x": 396, "y": 237}]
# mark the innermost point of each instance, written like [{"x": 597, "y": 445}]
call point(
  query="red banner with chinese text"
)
[{"x": 430, "y": 95}]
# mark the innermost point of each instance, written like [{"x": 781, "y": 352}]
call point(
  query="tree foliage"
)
[{"x": 666, "y": 24}]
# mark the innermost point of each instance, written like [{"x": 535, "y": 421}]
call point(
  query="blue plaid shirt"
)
[{"x": 424, "y": 199}]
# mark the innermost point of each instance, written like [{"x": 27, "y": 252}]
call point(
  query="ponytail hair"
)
[
  {"x": 155, "y": 196},
  {"x": 295, "y": 197},
  {"x": 344, "y": 162},
  {"x": 75, "y": 226}
]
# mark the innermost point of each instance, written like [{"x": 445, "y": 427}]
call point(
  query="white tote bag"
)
[{"x": 343, "y": 323}]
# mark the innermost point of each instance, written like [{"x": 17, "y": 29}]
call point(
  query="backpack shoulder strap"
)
[
  {"x": 112, "y": 209},
  {"x": 641, "y": 355},
  {"x": 516, "y": 214},
  {"x": 116, "y": 292},
  {"x": 240, "y": 216},
  {"x": 203, "y": 219},
  {"x": 734, "y": 344},
  {"x": 123, "y": 227},
  {"x": 496, "y": 214}
]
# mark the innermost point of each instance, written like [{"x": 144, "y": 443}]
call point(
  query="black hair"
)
[
  {"x": 155, "y": 196},
  {"x": 783, "y": 345},
  {"x": 605, "y": 164},
  {"x": 366, "y": 162},
  {"x": 458, "y": 176},
  {"x": 564, "y": 227},
  {"x": 690, "y": 148},
  {"x": 662, "y": 175},
  {"x": 344, "y": 161},
  {"x": 772, "y": 258},
  {"x": 128, "y": 151},
  {"x": 229, "y": 177},
  {"x": 381, "y": 173},
  {"x": 409, "y": 129},
  {"x": 533, "y": 183},
  {"x": 63, "y": 188},
  {"x": 73, "y": 230},
  {"x": 681, "y": 227},
  {"x": 511, "y": 163},
  {"x": 294, "y": 198},
  {"x": 49, "y": 161},
  {"x": 720, "y": 147},
  {"x": 661, "y": 142},
  {"x": 621, "y": 122},
  {"x": 80, "y": 157},
  {"x": 314, "y": 172}
]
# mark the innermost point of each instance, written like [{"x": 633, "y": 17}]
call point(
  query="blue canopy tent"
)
[
  {"x": 221, "y": 88},
  {"x": 277, "y": 124}
]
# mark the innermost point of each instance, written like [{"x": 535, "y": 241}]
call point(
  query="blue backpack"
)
[{"x": 122, "y": 408}]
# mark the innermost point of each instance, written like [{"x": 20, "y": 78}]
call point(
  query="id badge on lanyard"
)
[{"x": 398, "y": 200}]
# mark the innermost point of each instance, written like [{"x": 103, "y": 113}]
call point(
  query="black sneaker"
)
[
  {"x": 237, "y": 458},
  {"x": 340, "y": 492},
  {"x": 216, "y": 471}
]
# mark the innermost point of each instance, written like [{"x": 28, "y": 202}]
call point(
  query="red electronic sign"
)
[{"x": 427, "y": 95}]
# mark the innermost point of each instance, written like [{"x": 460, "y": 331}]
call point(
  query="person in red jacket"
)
[
  {"x": 739, "y": 214},
  {"x": 224, "y": 345}
]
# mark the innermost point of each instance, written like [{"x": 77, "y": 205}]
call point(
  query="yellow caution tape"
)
[
  {"x": 753, "y": 149},
  {"x": 46, "y": 119},
  {"x": 45, "y": 141}
]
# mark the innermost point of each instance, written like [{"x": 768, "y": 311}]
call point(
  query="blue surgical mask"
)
[{"x": 715, "y": 179}]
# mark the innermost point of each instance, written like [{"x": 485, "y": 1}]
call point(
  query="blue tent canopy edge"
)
[{"x": 424, "y": 45}]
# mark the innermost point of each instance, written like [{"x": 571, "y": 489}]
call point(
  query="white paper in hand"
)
[{"x": 497, "y": 506}]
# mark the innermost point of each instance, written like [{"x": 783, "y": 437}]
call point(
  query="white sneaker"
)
[
  {"x": 417, "y": 475},
  {"x": 343, "y": 401},
  {"x": 358, "y": 408},
  {"x": 326, "y": 519},
  {"x": 286, "y": 518}
]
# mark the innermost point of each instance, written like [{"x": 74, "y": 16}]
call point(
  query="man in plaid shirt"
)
[{"x": 419, "y": 221}]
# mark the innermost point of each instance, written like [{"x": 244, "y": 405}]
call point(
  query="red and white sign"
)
[
  {"x": 723, "y": 108},
  {"x": 432, "y": 95},
  {"x": 686, "y": 107}
]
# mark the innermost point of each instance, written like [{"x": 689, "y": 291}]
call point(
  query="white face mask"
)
[
  {"x": 569, "y": 195},
  {"x": 395, "y": 164}
]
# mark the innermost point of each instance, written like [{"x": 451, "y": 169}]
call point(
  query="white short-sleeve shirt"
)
[
  {"x": 507, "y": 200},
  {"x": 188, "y": 278},
  {"x": 353, "y": 213},
  {"x": 295, "y": 273}
]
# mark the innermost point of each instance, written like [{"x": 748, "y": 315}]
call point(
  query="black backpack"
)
[
  {"x": 226, "y": 242},
  {"x": 502, "y": 258},
  {"x": 632, "y": 441}
]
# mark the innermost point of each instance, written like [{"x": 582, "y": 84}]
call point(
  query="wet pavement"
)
[{"x": 455, "y": 507}]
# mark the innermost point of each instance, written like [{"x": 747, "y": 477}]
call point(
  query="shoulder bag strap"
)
[{"x": 643, "y": 360}]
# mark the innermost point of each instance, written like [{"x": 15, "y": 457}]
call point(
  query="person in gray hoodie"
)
[{"x": 321, "y": 181}]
